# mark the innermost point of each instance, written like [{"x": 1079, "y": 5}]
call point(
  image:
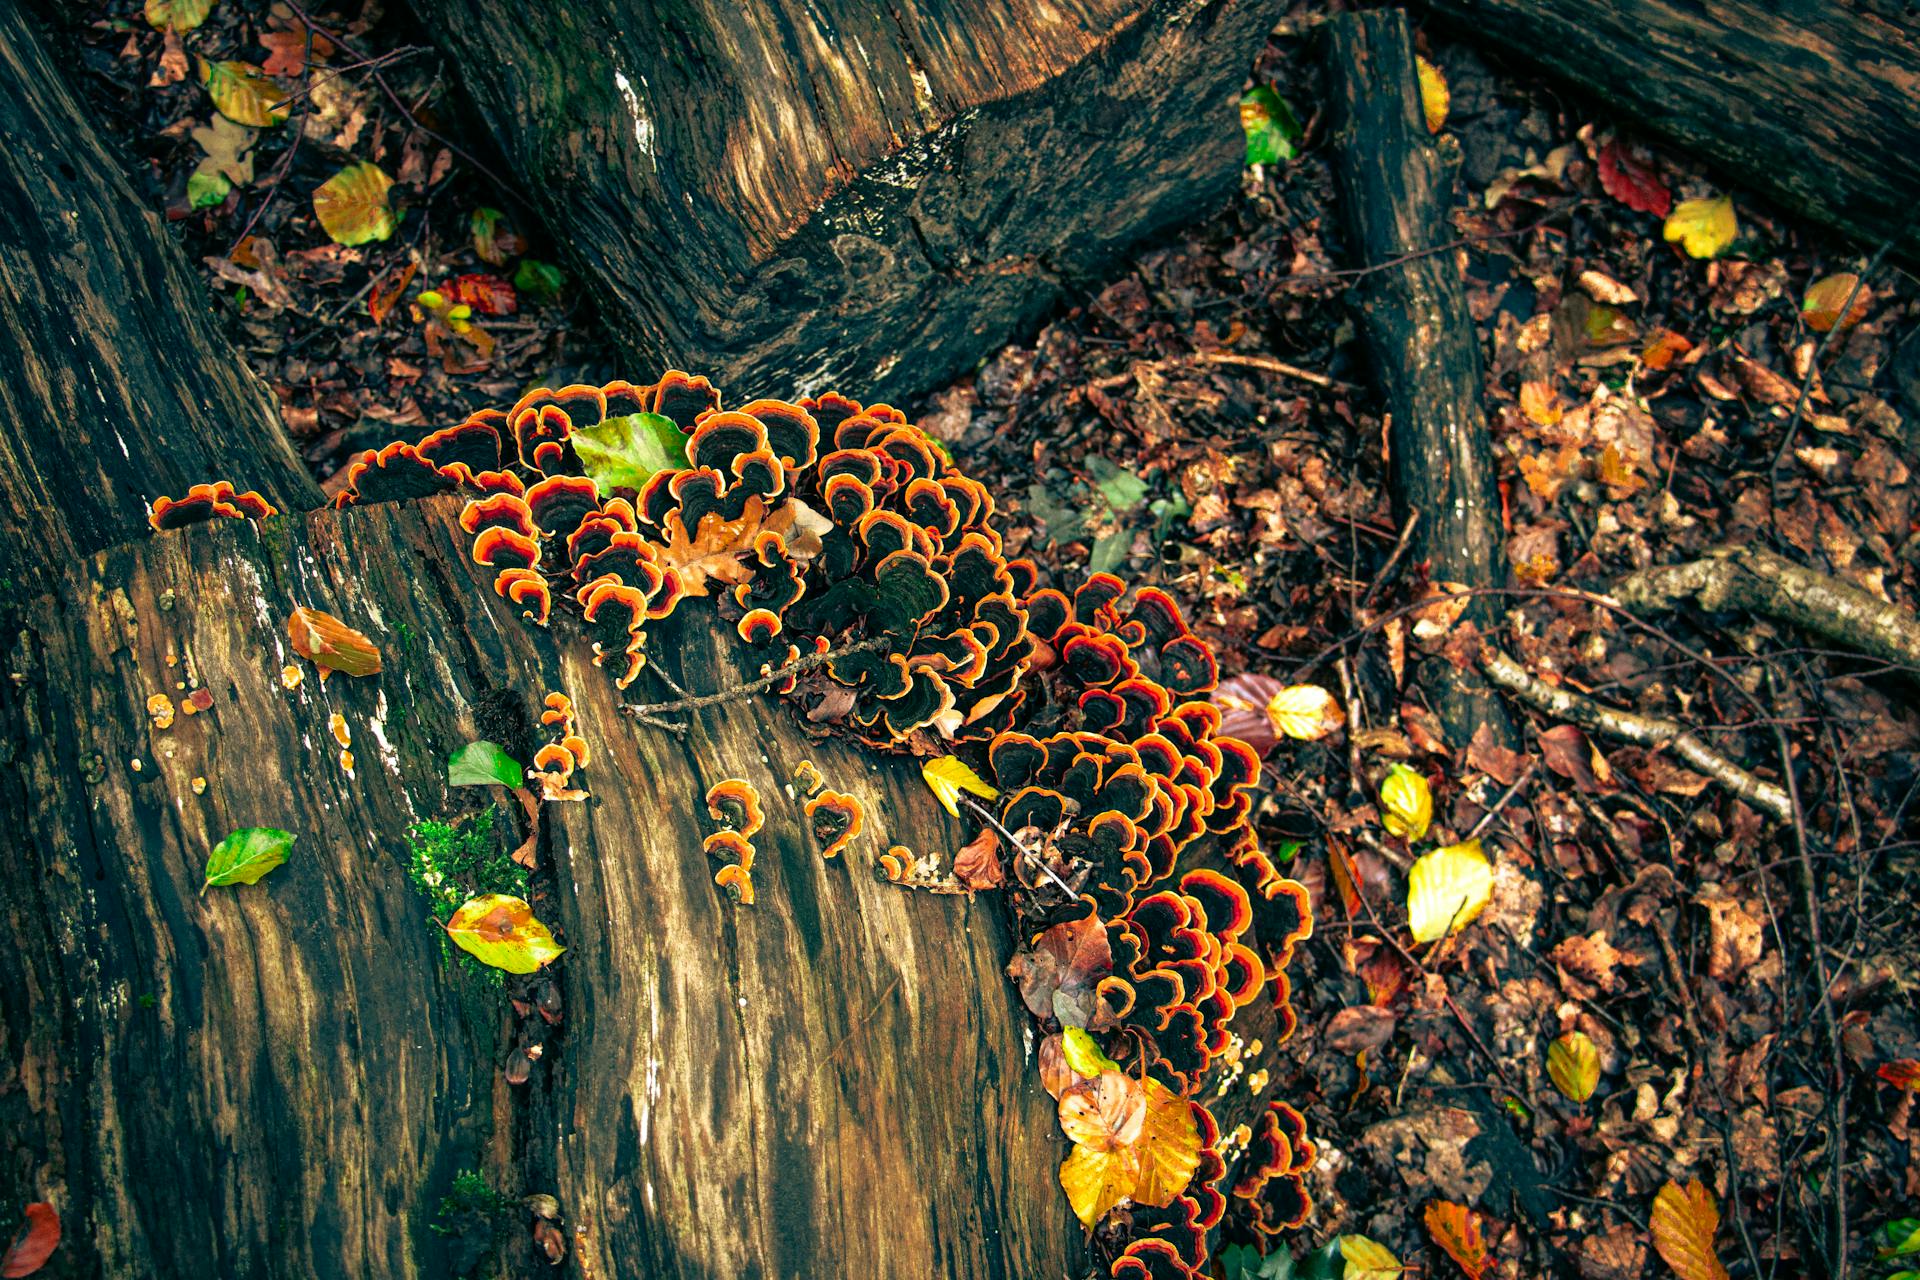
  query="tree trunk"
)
[
  {"x": 1396, "y": 188},
  {"x": 114, "y": 382},
  {"x": 1808, "y": 101},
  {"x": 792, "y": 195}
]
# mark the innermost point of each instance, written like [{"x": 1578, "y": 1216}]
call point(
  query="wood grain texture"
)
[
  {"x": 281, "y": 1080},
  {"x": 1396, "y": 187},
  {"x": 117, "y": 385},
  {"x": 1811, "y": 102},
  {"x": 792, "y": 193}
]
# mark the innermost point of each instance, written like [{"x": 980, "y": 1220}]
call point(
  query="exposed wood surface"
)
[
  {"x": 792, "y": 193},
  {"x": 1396, "y": 187},
  {"x": 282, "y": 1079},
  {"x": 115, "y": 383},
  {"x": 1809, "y": 101}
]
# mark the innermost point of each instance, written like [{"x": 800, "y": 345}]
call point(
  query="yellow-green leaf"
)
[
  {"x": 1573, "y": 1064},
  {"x": 1826, "y": 296},
  {"x": 1434, "y": 98},
  {"x": 498, "y": 929},
  {"x": 948, "y": 776},
  {"x": 1447, "y": 889},
  {"x": 246, "y": 855},
  {"x": 352, "y": 205},
  {"x": 1083, "y": 1053},
  {"x": 1368, "y": 1259},
  {"x": 1305, "y": 712},
  {"x": 1703, "y": 227},
  {"x": 1406, "y": 803},
  {"x": 1684, "y": 1223},
  {"x": 181, "y": 15},
  {"x": 244, "y": 94}
]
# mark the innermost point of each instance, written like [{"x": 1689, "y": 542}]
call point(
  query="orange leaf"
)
[
  {"x": 1901, "y": 1073},
  {"x": 35, "y": 1243},
  {"x": 1684, "y": 1223},
  {"x": 712, "y": 553},
  {"x": 331, "y": 644},
  {"x": 1454, "y": 1229},
  {"x": 387, "y": 292},
  {"x": 1134, "y": 1139}
]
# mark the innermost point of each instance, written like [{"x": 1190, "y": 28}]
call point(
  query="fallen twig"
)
[
  {"x": 650, "y": 713},
  {"x": 1632, "y": 726},
  {"x": 1265, "y": 363}
]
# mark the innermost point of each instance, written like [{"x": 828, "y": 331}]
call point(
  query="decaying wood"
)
[
  {"x": 789, "y": 195},
  {"x": 282, "y": 1079},
  {"x": 1757, "y": 580},
  {"x": 115, "y": 384},
  {"x": 1808, "y": 101},
  {"x": 1632, "y": 726},
  {"x": 1396, "y": 186}
]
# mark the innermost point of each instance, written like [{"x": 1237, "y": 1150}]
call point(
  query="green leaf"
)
[
  {"x": 1083, "y": 1054},
  {"x": 352, "y": 205},
  {"x": 181, "y": 15},
  {"x": 539, "y": 280},
  {"x": 246, "y": 855},
  {"x": 1243, "y": 1262},
  {"x": 1121, "y": 488},
  {"x": 1899, "y": 1237},
  {"x": 483, "y": 764},
  {"x": 1270, "y": 126},
  {"x": 499, "y": 929},
  {"x": 207, "y": 186},
  {"x": 624, "y": 451},
  {"x": 244, "y": 94},
  {"x": 1325, "y": 1263},
  {"x": 1109, "y": 551},
  {"x": 1286, "y": 851},
  {"x": 1064, "y": 523}
]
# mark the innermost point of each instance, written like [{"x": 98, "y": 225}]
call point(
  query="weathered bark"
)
[
  {"x": 115, "y": 383},
  {"x": 281, "y": 1080},
  {"x": 1396, "y": 188},
  {"x": 795, "y": 193},
  {"x": 1808, "y": 101}
]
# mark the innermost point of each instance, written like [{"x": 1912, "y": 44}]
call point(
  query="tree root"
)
[
  {"x": 1632, "y": 726},
  {"x": 1761, "y": 582}
]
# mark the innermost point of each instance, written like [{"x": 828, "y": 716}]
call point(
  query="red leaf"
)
[
  {"x": 35, "y": 1243},
  {"x": 488, "y": 295},
  {"x": 1632, "y": 181},
  {"x": 1901, "y": 1073}
]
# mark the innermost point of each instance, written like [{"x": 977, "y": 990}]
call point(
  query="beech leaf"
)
[
  {"x": 1684, "y": 1223},
  {"x": 352, "y": 205},
  {"x": 623, "y": 452},
  {"x": 1270, "y": 126},
  {"x": 246, "y": 855},
  {"x": 1406, "y": 803},
  {"x": 499, "y": 929},
  {"x": 331, "y": 644},
  {"x": 35, "y": 1243},
  {"x": 1453, "y": 1228},
  {"x": 1447, "y": 889},
  {"x": 1703, "y": 227},
  {"x": 181, "y": 15},
  {"x": 244, "y": 94},
  {"x": 948, "y": 776},
  {"x": 1827, "y": 295},
  {"x": 1305, "y": 712},
  {"x": 1573, "y": 1064},
  {"x": 1083, "y": 1053},
  {"x": 1633, "y": 183},
  {"x": 1368, "y": 1259},
  {"x": 483, "y": 764}
]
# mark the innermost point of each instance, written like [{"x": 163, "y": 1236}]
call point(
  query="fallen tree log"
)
[
  {"x": 790, "y": 196},
  {"x": 1396, "y": 188},
  {"x": 1807, "y": 101},
  {"x": 105, "y": 337}
]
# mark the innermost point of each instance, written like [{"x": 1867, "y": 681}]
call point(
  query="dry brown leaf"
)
[
  {"x": 1735, "y": 937},
  {"x": 977, "y": 864},
  {"x": 712, "y": 552},
  {"x": 1684, "y": 1223}
]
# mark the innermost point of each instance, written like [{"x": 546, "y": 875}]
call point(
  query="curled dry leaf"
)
[
  {"x": 1447, "y": 890},
  {"x": 977, "y": 865},
  {"x": 1632, "y": 182},
  {"x": 1573, "y": 1064},
  {"x": 331, "y": 644},
  {"x": 1434, "y": 97},
  {"x": 1057, "y": 975},
  {"x": 1454, "y": 1228},
  {"x": 1684, "y": 1222}
]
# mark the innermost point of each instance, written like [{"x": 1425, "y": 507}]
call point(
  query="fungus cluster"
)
[
  {"x": 1128, "y": 790},
  {"x": 734, "y": 801},
  {"x": 566, "y": 751},
  {"x": 213, "y": 501},
  {"x": 824, "y": 527}
]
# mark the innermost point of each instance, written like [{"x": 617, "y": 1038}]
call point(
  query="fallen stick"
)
[
  {"x": 1633, "y": 726},
  {"x": 1759, "y": 581}
]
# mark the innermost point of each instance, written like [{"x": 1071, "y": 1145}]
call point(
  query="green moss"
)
[
  {"x": 450, "y": 864},
  {"x": 473, "y": 1215}
]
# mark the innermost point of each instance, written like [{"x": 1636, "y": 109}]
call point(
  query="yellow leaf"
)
[
  {"x": 1406, "y": 803},
  {"x": 1304, "y": 711},
  {"x": 181, "y": 15},
  {"x": 1447, "y": 889},
  {"x": 1821, "y": 307},
  {"x": 244, "y": 94},
  {"x": 1454, "y": 1229},
  {"x": 1169, "y": 1146},
  {"x": 1684, "y": 1223},
  {"x": 498, "y": 929},
  {"x": 1095, "y": 1181},
  {"x": 1540, "y": 402},
  {"x": 352, "y": 205},
  {"x": 948, "y": 776},
  {"x": 1368, "y": 1259},
  {"x": 1573, "y": 1064},
  {"x": 1433, "y": 94},
  {"x": 1703, "y": 227}
]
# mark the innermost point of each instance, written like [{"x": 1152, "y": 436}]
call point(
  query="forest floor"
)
[{"x": 1205, "y": 420}]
